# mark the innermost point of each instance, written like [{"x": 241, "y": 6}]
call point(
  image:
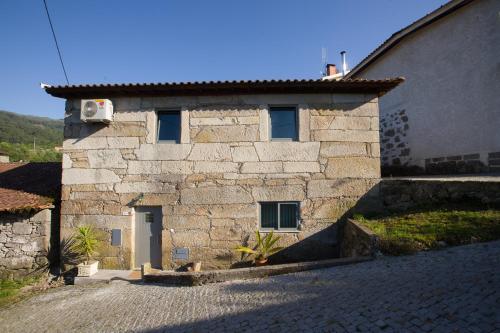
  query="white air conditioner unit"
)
[{"x": 96, "y": 110}]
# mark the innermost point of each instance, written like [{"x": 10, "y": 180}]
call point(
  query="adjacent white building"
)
[{"x": 445, "y": 117}]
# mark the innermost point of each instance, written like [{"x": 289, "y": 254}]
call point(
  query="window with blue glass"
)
[
  {"x": 279, "y": 215},
  {"x": 283, "y": 123},
  {"x": 169, "y": 126}
]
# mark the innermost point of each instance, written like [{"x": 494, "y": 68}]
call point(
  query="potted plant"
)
[
  {"x": 263, "y": 249},
  {"x": 86, "y": 244}
]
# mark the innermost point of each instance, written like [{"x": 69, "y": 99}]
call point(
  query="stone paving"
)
[{"x": 452, "y": 290}]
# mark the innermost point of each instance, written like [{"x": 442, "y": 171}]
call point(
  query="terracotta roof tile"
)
[
  {"x": 12, "y": 200},
  {"x": 29, "y": 185}
]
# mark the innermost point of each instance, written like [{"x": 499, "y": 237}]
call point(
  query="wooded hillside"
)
[{"x": 17, "y": 133}]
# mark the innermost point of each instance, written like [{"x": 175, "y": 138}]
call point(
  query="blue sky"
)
[{"x": 116, "y": 41}]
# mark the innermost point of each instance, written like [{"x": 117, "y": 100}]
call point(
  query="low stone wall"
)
[
  {"x": 357, "y": 240},
  {"x": 201, "y": 278},
  {"x": 471, "y": 163},
  {"x": 402, "y": 194},
  {"x": 24, "y": 237}
]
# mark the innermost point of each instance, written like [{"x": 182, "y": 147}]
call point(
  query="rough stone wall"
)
[
  {"x": 394, "y": 146},
  {"x": 24, "y": 237},
  {"x": 470, "y": 163},
  {"x": 357, "y": 240},
  {"x": 209, "y": 184},
  {"x": 398, "y": 195}
]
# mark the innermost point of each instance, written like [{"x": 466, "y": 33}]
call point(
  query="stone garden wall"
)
[
  {"x": 209, "y": 184},
  {"x": 357, "y": 240},
  {"x": 24, "y": 237},
  {"x": 401, "y": 194}
]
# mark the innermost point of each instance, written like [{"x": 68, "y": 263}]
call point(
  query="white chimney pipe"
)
[{"x": 344, "y": 63}]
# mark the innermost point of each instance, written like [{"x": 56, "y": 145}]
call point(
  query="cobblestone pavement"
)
[{"x": 453, "y": 290}]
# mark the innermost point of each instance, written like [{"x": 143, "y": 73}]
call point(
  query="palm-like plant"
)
[
  {"x": 264, "y": 247},
  {"x": 85, "y": 242},
  {"x": 58, "y": 257}
]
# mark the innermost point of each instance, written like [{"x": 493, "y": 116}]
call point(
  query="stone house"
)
[
  {"x": 187, "y": 171},
  {"x": 444, "y": 118},
  {"x": 29, "y": 216}
]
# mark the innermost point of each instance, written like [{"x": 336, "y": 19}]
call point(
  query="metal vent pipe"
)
[{"x": 344, "y": 63}]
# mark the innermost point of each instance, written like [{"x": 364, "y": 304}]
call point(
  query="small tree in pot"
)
[
  {"x": 85, "y": 243},
  {"x": 263, "y": 249}
]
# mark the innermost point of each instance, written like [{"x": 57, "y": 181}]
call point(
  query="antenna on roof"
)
[{"x": 323, "y": 61}]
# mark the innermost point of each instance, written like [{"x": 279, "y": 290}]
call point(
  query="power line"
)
[{"x": 55, "y": 40}]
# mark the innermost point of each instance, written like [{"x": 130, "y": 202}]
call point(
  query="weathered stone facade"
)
[
  {"x": 209, "y": 185},
  {"x": 24, "y": 238}
]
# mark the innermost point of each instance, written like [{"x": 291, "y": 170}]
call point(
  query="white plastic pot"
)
[{"x": 88, "y": 270}]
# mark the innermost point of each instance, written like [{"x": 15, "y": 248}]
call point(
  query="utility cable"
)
[{"x": 55, "y": 40}]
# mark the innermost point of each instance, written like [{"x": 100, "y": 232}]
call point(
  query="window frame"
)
[
  {"x": 278, "y": 204},
  {"x": 164, "y": 111},
  {"x": 270, "y": 123}
]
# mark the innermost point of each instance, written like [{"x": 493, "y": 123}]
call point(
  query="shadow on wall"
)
[
  {"x": 399, "y": 195},
  {"x": 37, "y": 178},
  {"x": 387, "y": 198},
  {"x": 326, "y": 243}
]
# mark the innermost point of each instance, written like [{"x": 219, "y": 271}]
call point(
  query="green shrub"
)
[
  {"x": 86, "y": 242},
  {"x": 264, "y": 247}
]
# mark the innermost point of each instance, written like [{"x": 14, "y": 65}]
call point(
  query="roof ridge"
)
[{"x": 396, "y": 37}]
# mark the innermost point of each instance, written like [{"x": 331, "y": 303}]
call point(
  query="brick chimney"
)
[{"x": 331, "y": 69}]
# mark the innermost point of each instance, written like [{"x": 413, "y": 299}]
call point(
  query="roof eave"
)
[{"x": 225, "y": 88}]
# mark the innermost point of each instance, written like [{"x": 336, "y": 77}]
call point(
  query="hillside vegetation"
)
[{"x": 17, "y": 133}]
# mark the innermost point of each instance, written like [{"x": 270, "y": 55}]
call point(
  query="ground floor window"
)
[{"x": 281, "y": 216}]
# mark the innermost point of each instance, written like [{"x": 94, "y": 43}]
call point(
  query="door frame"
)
[{"x": 137, "y": 209}]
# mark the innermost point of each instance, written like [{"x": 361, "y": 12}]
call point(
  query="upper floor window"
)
[
  {"x": 279, "y": 215},
  {"x": 169, "y": 126},
  {"x": 283, "y": 124}
]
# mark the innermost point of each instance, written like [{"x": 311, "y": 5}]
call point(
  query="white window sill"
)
[
  {"x": 167, "y": 142},
  {"x": 282, "y": 231},
  {"x": 283, "y": 140}
]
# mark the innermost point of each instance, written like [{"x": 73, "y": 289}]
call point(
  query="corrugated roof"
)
[
  {"x": 224, "y": 88},
  {"x": 398, "y": 36},
  {"x": 29, "y": 185}
]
